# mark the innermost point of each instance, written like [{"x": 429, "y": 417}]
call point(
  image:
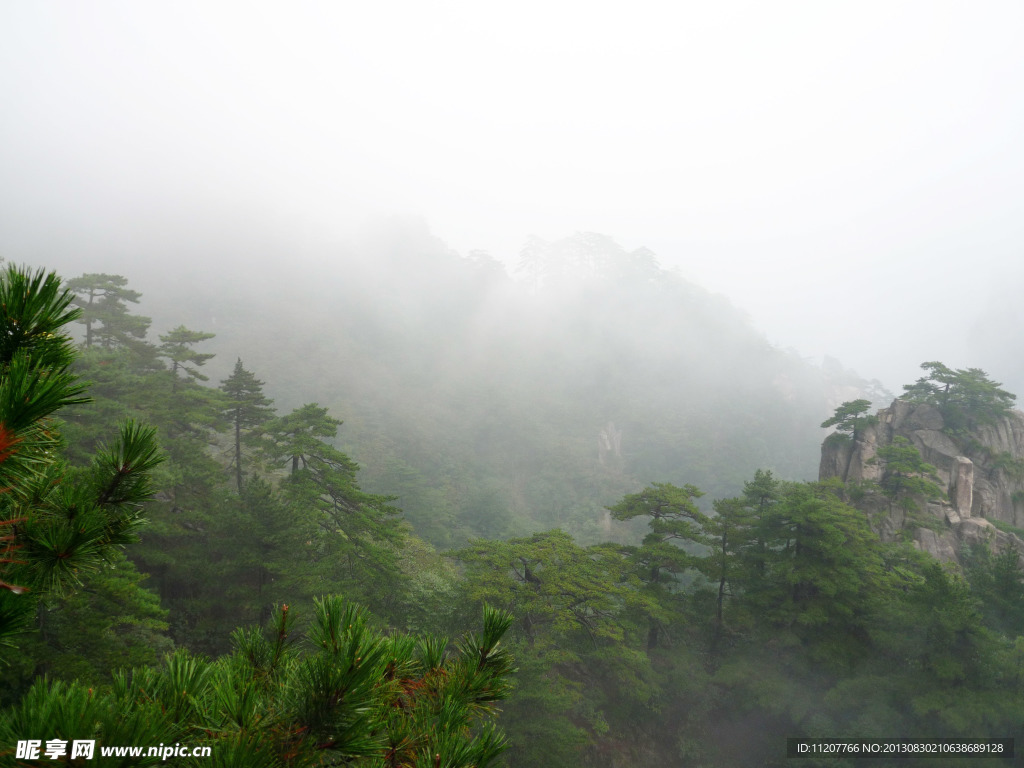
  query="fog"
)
[
  {"x": 538, "y": 305},
  {"x": 848, "y": 175}
]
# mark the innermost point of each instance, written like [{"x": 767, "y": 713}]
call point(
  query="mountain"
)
[
  {"x": 977, "y": 473},
  {"x": 496, "y": 404}
]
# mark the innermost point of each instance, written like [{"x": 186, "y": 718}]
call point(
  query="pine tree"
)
[
  {"x": 730, "y": 528},
  {"x": 177, "y": 348},
  {"x": 967, "y": 398},
  {"x": 850, "y": 419},
  {"x": 56, "y": 522},
  {"x": 102, "y": 299},
  {"x": 261, "y": 550},
  {"x": 675, "y": 522},
  {"x": 906, "y": 475},
  {"x": 579, "y": 611},
  {"x": 245, "y": 409},
  {"x": 359, "y": 697},
  {"x": 111, "y": 622},
  {"x": 823, "y": 571},
  {"x": 363, "y": 530},
  {"x": 298, "y": 439}
]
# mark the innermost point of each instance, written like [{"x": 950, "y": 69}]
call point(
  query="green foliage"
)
[
  {"x": 678, "y": 530},
  {"x": 576, "y": 612},
  {"x": 731, "y": 531},
  {"x": 906, "y": 476},
  {"x": 967, "y": 398},
  {"x": 364, "y": 530},
  {"x": 761, "y": 495},
  {"x": 548, "y": 581},
  {"x": 357, "y": 697},
  {"x": 706, "y": 643},
  {"x": 268, "y": 537},
  {"x": 1005, "y": 527},
  {"x": 997, "y": 580},
  {"x": 177, "y": 349},
  {"x": 1012, "y": 467},
  {"x": 75, "y": 520},
  {"x": 102, "y": 299},
  {"x": 298, "y": 438},
  {"x": 432, "y": 595},
  {"x": 822, "y": 572},
  {"x": 57, "y": 523},
  {"x": 807, "y": 630},
  {"x": 675, "y": 522},
  {"x": 952, "y": 681},
  {"x": 110, "y": 622},
  {"x": 35, "y": 311},
  {"x": 850, "y": 419},
  {"x": 222, "y": 558},
  {"x": 35, "y": 375},
  {"x": 546, "y": 717},
  {"x": 245, "y": 408}
]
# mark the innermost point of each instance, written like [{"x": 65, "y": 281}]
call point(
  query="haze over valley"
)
[{"x": 552, "y": 385}]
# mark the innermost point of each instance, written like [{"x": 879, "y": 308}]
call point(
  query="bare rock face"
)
[
  {"x": 976, "y": 531},
  {"x": 937, "y": 545},
  {"x": 924, "y": 417},
  {"x": 850, "y": 460},
  {"x": 947, "y": 545},
  {"x": 835, "y": 458},
  {"x": 983, "y": 472},
  {"x": 936, "y": 448},
  {"x": 862, "y": 464},
  {"x": 961, "y": 486}
]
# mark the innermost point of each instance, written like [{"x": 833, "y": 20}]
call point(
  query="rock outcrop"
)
[{"x": 982, "y": 472}]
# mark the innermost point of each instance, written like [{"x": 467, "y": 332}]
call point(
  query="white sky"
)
[{"x": 839, "y": 169}]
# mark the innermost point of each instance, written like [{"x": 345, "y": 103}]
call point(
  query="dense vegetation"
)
[
  {"x": 358, "y": 696},
  {"x": 654, "y": 626},
  {"x": 966, "y": 398},
  {"x": 495, "y": 404}
]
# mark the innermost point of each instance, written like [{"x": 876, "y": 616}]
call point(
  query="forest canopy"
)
[{"x": 658, "y": 624}]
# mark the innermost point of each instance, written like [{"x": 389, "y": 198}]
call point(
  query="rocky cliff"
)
[{"x": 982, "y": 472}]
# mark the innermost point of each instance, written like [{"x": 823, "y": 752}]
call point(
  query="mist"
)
[
  {"x": 848, "y": 177},
  {"x": 538, "y": 307}
]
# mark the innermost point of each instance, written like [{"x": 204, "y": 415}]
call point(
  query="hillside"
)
[
  {"x": 495, "y": 404},
  {"x": 978, "y": 475}
]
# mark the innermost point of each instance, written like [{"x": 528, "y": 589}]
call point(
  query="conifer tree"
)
[
  {"x": 967, "y": 398},
  {"x": 761, "y": 494},
  {"x": 177, "y": 349},
  {"x": 245, "y": 409},
  {"x": 359, "y": 697},
  {"x": 364, "y": 529},
  {"x": 675, "y": 521},
  {"x": 102, "y": 299},
  {"x": 578, "y": 611},
  {"x": 730, "y": 529},
  {"x": 823, "y": 570},
  {"x": 112, "y": 621},
  {"x": 850, "y": 419},
  {"x": 906, "y": 475},
  {"x": 55, "y": 522},
  {"x": 298, "y": 438}
]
